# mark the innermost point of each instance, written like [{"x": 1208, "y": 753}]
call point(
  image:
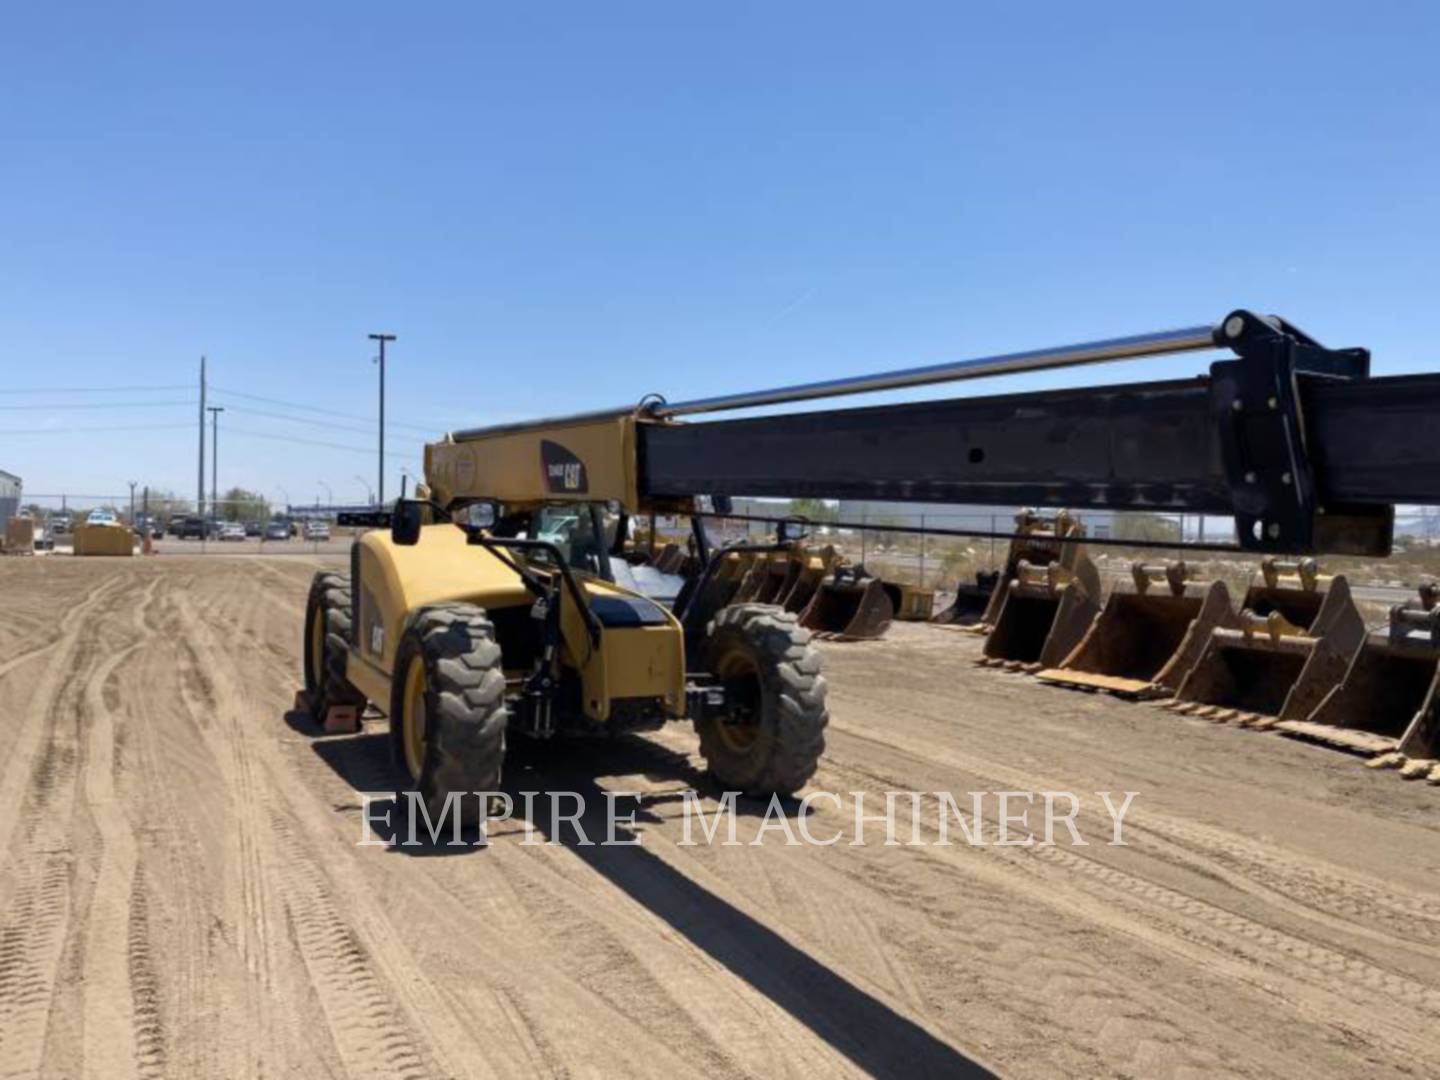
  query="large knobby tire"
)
[
  {"x": 773, "y": 737},
  {"x": 327, "y": 636},
  {"x": 447, "y": 707}
]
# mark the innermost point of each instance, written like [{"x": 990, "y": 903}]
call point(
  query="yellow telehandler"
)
[{"x": 499, "y": 605}]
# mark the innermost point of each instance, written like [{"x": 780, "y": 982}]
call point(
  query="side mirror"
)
[{"x": 405, "y": 523}]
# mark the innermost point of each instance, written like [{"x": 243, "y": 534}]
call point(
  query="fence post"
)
[
  {"x": 863, "y": 513},
  {"x": 922, "y": 551},
  {"x": 992, "y": 541}
]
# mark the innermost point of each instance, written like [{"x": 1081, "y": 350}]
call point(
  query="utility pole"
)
[
  {"x": 132, "y": 502},
  {"x": 200, "y": 475},
  {"x": 382, "y": 339},
  {"x": 214, "y": 411}
]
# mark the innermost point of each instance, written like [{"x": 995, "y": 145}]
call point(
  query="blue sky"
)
[{"x": 567, "y": 206}]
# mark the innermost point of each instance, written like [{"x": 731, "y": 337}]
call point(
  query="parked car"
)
[
  {"x": 194, "y": 527},
  {"x": 317, "y": 530},
  {"x": 252, "y": 528},
  {"x": 277, "y": 530},
  {"x": 59, "y": 525},
  {"x": 232, "y": 530},
  {"x": 100, "y": 516},
  {"x": 149, "y": 523}
]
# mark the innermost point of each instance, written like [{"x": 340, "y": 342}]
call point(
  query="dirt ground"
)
[{"x": 182, "y": 894}]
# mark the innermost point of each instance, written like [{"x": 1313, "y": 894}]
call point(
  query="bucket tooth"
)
[
  {"x": 1388, "y": 760},
  {"x": 1148, "y": 635},
  {"x": 849, "y": 605},
  {"x": 1418, "y": 768},
  {"x": 1389, "y": 698},
  {"x": 1284, "y": 652}
]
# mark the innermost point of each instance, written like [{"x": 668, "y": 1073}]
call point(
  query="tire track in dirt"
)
[
  {"x": 1310, "y": 887},
  {"x": 190, "y": 981},
  {"x": 217, "y": 713},
  {"x": 45, "y": 856},
  {"x": 65, "y": 629},
  {"x": 366, "y": 985},
  {"x": 103, "y": 992},
  {"x": 371, "y": 1036},
  {"x": 1131, "y": 1025},
  {"x": 1265, "y": 949}
]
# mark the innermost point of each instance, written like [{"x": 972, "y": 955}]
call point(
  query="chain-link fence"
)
[
  {"x": 167, "y": 525},
  {"x": 912, "y": 545}
]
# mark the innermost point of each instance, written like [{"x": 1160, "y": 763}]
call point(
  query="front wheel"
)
[
  {"x": 327, "y": 634},
  {"x": 772, "y": 737},
  {"x": 447, "y": 708}
]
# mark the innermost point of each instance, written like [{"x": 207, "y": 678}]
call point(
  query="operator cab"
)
[{"x": 587, "y": 535}]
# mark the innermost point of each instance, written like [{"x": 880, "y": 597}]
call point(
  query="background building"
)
[{"x": 9, "y": 497}]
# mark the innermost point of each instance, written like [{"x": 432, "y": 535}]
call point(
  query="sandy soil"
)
[{"x": 181, "y": 893}]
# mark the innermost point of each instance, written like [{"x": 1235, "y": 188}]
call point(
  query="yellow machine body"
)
[
  {"x": 392, "y": 581},
  {"x": 590, "y": 461}
]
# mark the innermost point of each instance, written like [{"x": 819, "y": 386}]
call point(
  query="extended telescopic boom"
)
[{"x": 1292, "y": 439}]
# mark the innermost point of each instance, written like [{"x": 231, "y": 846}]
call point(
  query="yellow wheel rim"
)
[
  {"x": 413, "y": 719},
  {"x": 317, "y": 648},
  {"x": 740, "y": 738}
]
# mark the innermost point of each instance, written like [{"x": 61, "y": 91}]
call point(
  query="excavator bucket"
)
[
  {"x": 1148, "y": 636},
  {"x": 751, "y": 579},
  {"x": 720, "y": 588},
  {"x": 970, "y": 601},
  {"x": 811, "y": 568},
  {"x": 1387, "y": 703},
  {"x": 1045, "y": 613},
  {"x": 849, "y": 605},
  {"x": 1277, "y": 659},
  {"x": 769, "y": 578},
  {"x": 1037, "y": 541},
  {"x": 911, "y": 604}
]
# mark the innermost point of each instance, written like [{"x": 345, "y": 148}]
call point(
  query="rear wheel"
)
[
  {"x": 447, "y": 707},
  {"x": 327, "y": 635},
  {"x": 774, "y": 733}
]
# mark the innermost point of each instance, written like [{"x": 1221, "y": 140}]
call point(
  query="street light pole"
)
[
  {"x": 329, "y": 495},
  {"x": 214, "y": 411},
  {"x": 382, "y": 339},
  {"x": 132, "y": 502},
  {"x": 369, "y": 491}
]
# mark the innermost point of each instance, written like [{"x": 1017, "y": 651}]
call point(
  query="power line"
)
[
  {"x": 303, "y": 420},
  {"x": 95, "y": 389},
  {"x": 72, "y": 430},
  {"x": 32, "y": 406},
  {"x": 315, "y": 409},
  {"x": 304, "y": 441}
]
